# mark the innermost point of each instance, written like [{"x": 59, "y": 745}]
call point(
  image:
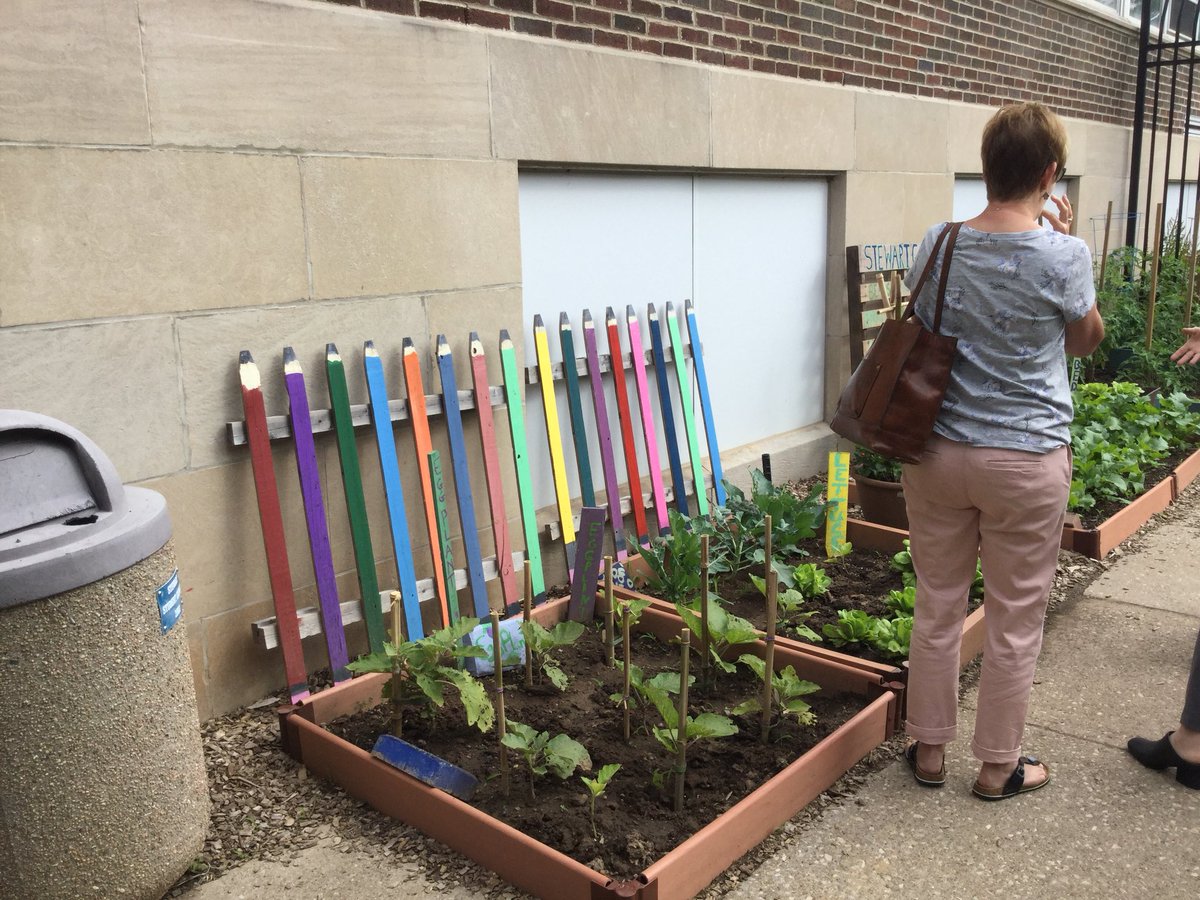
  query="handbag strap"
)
[{"x": 951, "y": 230}]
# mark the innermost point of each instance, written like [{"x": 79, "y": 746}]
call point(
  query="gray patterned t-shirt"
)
[{"x": 1009, "y": 298}]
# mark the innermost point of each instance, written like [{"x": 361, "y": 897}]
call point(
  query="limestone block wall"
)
[{"x": 184, "y": 179}]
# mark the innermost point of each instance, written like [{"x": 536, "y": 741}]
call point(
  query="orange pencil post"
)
[{"x": 417, "y": 415}]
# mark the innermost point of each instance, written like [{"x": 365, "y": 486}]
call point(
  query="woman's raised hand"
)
[{"x": 1060, "y": 221}]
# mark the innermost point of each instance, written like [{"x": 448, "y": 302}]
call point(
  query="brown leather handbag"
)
[{"x": 894, "y": 396}]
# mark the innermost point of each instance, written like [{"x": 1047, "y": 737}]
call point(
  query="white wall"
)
[{"x": 749, "y": 251}]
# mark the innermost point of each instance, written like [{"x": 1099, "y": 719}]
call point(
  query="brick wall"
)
[{"x": 975, "y": 51}]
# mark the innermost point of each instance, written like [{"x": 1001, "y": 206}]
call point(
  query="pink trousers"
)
[{"x": 1007, "y": 506}]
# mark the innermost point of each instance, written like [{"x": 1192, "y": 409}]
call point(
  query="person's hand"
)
[
  {"x": 1190, "y": 351},
  {"x": 1060, "y": 221}
]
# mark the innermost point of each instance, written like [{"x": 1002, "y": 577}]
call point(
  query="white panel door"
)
[
  {"x": 749, "y": 251},
  {"x": 591, "y": 241},
  {"x": 760, "y": 302}
]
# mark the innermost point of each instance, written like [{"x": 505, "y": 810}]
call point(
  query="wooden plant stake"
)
[
  {"x": 397, "y": 639},
  {"x": 527, "y": 606},
  {"x": 767, "y": 548},
  {"x": 1158, "y": 214},
  {"x": 704, "y": 609},
  {"x": 681, "y": 727},
  {"x": 609, "y": 613},
  {"x": 625, "y": 680},
  {"x": 501, "y": 722},
  {"x": 769, "y": 670},
  {"x": 1187, "y": 306},
  {"x": 1104, "y": 253}
]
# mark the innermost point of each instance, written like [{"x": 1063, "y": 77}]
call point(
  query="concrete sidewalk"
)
[{"x": 1114, "y": 664}]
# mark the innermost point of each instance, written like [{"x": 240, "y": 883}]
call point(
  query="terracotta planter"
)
[
  {"x": 882, "y": 502},
  {"x": 545, "y": 872}
]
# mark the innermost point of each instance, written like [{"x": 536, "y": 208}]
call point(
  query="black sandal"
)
[
  {"x": 1015, "y": 784},
  {"x": 925, "y": 779}
]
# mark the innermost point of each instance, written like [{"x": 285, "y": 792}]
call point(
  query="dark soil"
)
[
  {"x": 634, "y": 819},
  {"x": 862, "y": 580}
]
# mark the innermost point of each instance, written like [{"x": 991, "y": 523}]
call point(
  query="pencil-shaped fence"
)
[{"x": 460, "y": 587}]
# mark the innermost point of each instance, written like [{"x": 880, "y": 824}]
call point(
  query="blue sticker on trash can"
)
[{"x": 170, "y": 602}]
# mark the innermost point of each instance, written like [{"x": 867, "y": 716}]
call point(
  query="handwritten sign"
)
[
  {"x": 837, "y": 492},
  {"x": 878, "y": 257},
  {"x": 587, "y": 563}
]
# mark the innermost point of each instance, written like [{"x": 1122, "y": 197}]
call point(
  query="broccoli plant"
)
[
  {"x": 791, "y": 611},
  {"x": 422, "y": 670},
  {"x": 596, "y": 787},
  {"x": 725, "y": 630},
  {"x": 559, "y": 755},
  {"x": 787, "y": 693},
  {"x": 541, "y": 644}
]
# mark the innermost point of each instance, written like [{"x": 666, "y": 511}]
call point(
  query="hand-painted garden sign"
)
[
  {"x": 837, "y": 491},
  {"x": 512, "y": 646},
  {"x": 587, "y": 563}
]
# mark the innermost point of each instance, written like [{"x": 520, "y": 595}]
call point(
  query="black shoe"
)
[{"x": 1161, "y": 754}]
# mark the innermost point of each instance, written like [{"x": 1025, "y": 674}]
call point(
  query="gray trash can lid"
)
[{"x": 65, "y": 518}]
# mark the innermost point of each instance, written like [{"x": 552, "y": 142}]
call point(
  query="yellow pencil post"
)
[{"x": 837, "y": 492}]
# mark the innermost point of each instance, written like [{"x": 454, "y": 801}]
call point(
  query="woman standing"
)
[{"x": 995, "y": 477}]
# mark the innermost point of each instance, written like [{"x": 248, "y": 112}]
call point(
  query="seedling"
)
[
  {"x": 422, "y": 670},
  {"x": 787, "y": 691},
  {"x": 541, "y": 644},
  {"x": 559, "y": 755},
  {"x": 791, "y": 611},
  {"x": 596, "y": 787},
  {"x": 725, "y": 631}
]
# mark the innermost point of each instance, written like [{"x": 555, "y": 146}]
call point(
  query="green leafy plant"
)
[
  {"x": 902, "y": 563},
  {"x": 902, "y": 602},
  {"x": 853, "y": 627},
  {"x": 870, "y": 464},
  {"x": 596, "y": 787},
  {"x": 1124, "y": 301},
  {"x": 810, "y": 580},
  {"x": 674, "y": 560},
  {"x": 725, "y": 630},
  {"x": 542, "y": 644},
  {"x": 422, "y": 670},
  {"x": 787, "y": 693},
  {"x": 1117, "y": 435},
  {"x": 734, "y": 531},
  {"x": 791, "y": 608},
  {"x": 891, "y": 636},
  {"x": 559, "y": 755},
  {"x": 793, "y": 518}
]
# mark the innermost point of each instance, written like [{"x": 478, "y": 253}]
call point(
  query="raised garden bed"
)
[
  {"x": 1094, "y": 542},
  {"x": 548, "y": 872},
  {"x": 864, "y": 536}
]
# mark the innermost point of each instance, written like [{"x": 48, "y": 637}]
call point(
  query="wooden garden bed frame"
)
[{"x": 544, "y": 871}]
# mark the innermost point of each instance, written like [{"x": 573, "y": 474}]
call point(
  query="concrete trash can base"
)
[{"x": 103, "y": 790}]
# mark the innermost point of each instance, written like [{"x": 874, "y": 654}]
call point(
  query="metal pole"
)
[
  {"x": 1162, "y": 21},
  {"x": 1187, "y": 125},
  {"x": 1139, "y": 124},
  {"x": 1171, "y": 118}
]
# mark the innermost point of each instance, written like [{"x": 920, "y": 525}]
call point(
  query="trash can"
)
[{"x": 103, "y": 790}]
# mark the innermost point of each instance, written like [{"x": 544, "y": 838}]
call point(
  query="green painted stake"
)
[
  {"x": 443, "y": 530},
  {"x": 356, "y": 504},
  {"x": 513, "y": 388},
  {"x": 685, "y": 400}
]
